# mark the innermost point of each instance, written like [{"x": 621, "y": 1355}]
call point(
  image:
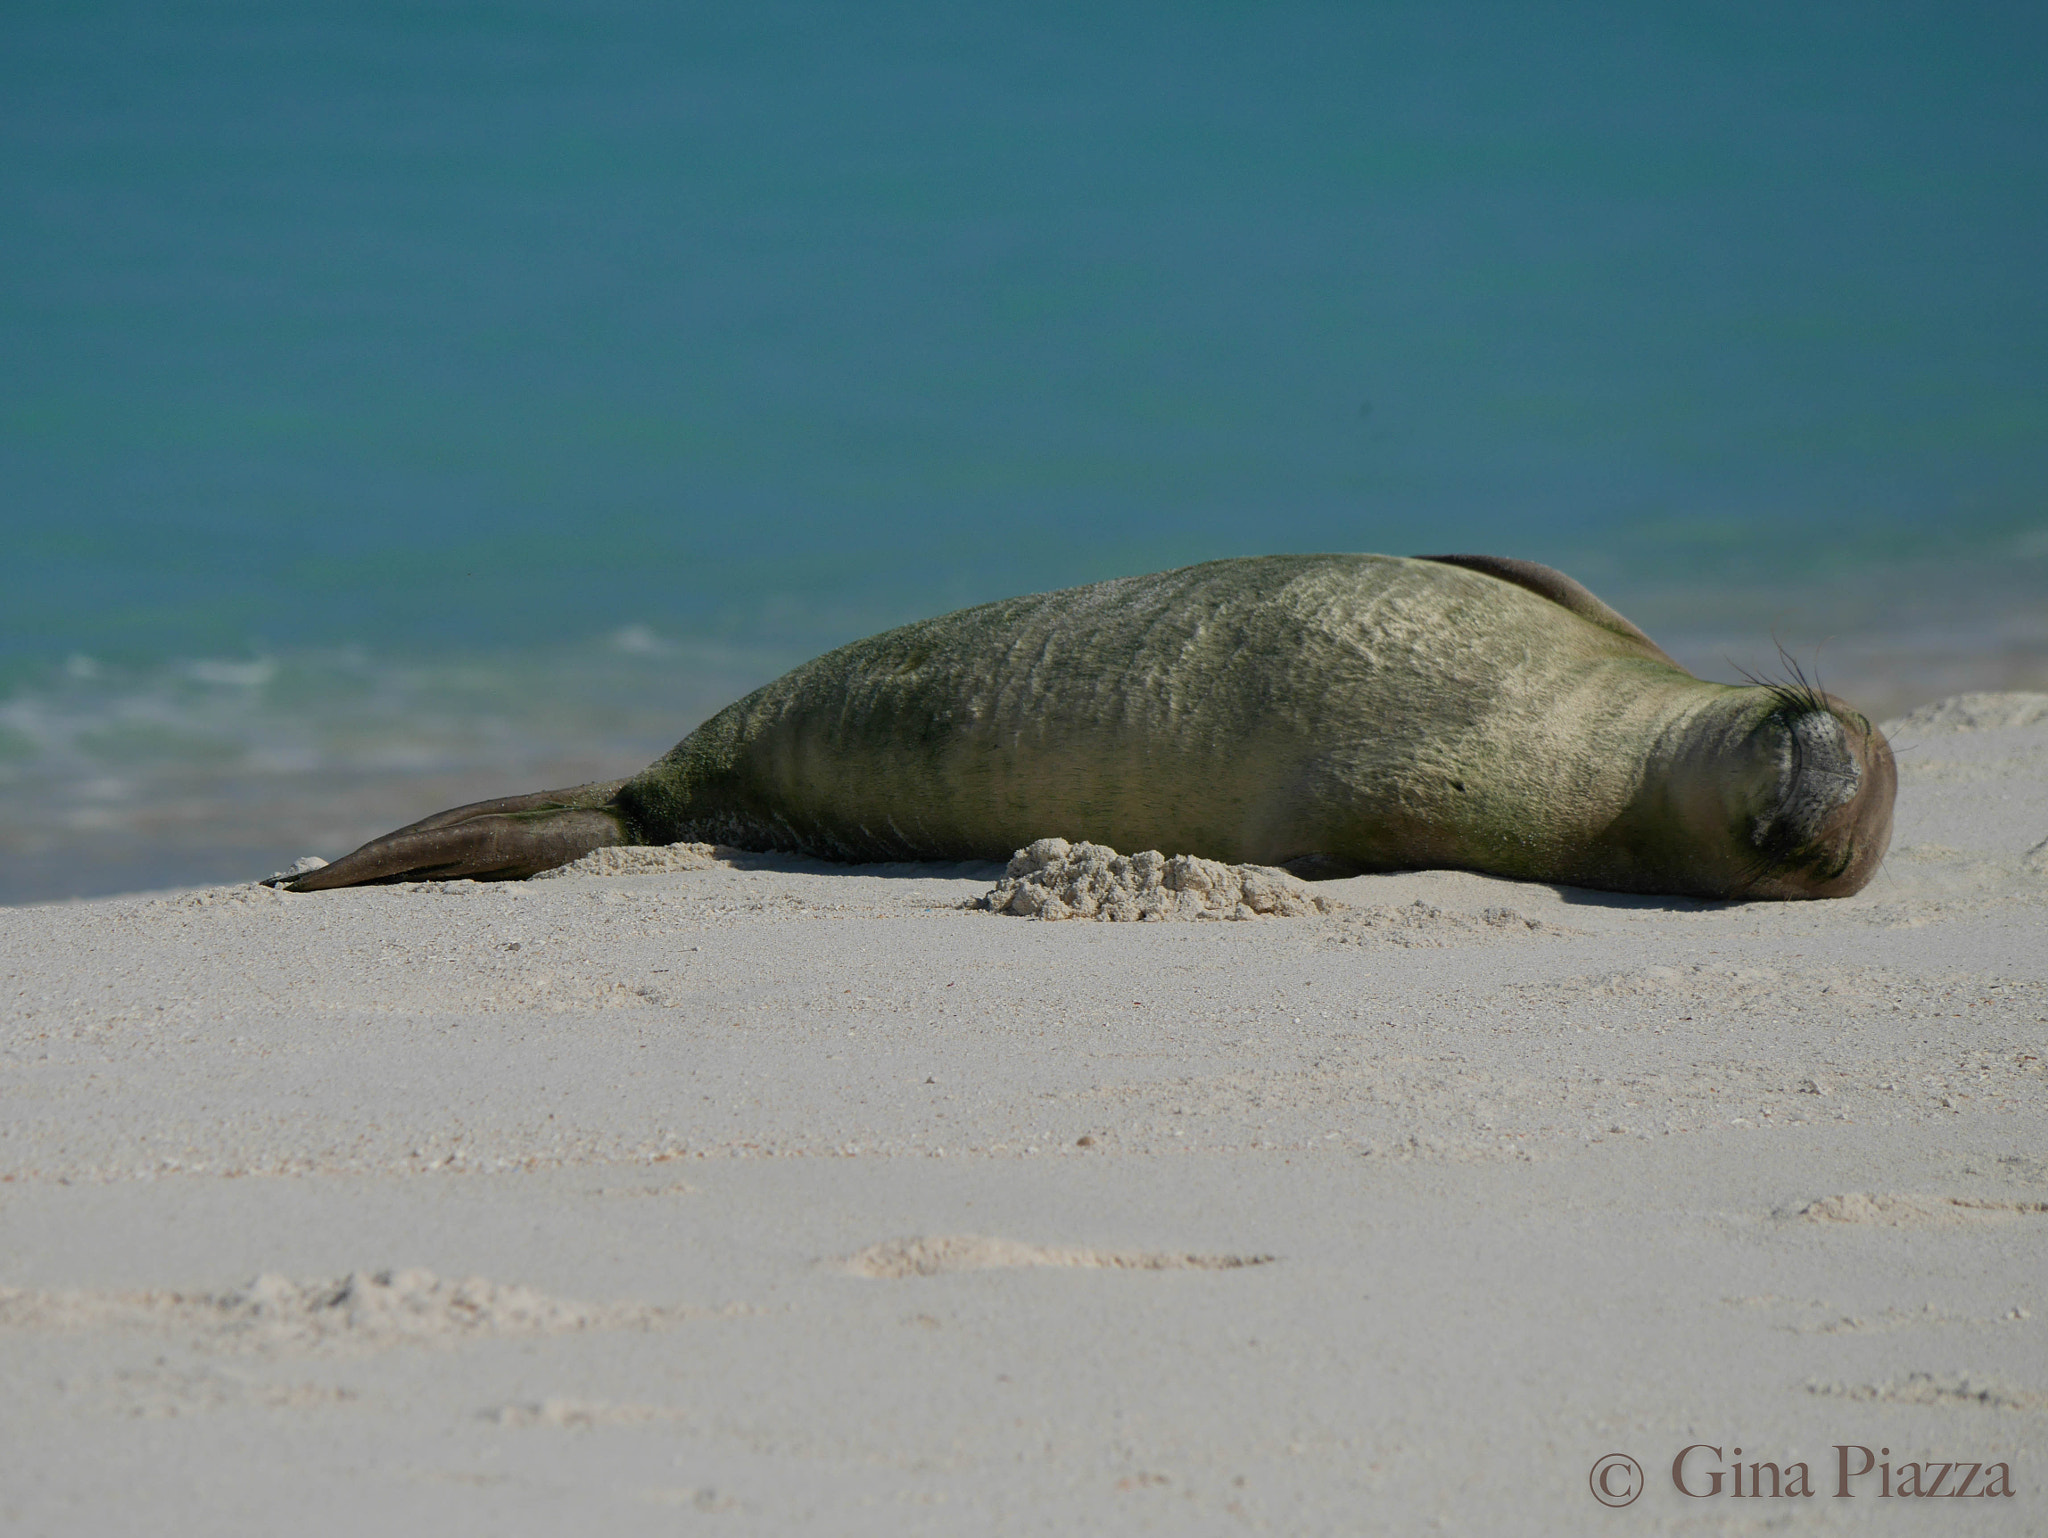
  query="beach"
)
[
  {"x": 773, "y": 1195},
  {"x": 409, "y": 406}
]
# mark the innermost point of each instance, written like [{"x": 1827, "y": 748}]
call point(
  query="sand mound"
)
[
  {"x": 365, "y": 1309},
  {"x": 1980, "y": 712},
  {"x": 1054, "y": 879},
  {"x": 641, "y": 860},
  {"x": 899, "y": 1258}
]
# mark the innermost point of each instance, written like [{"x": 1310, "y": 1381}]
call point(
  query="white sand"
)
[{"x": 750, "y": 1195}]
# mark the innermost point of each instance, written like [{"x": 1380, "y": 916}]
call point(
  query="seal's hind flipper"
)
[
  {"x": 503, "y": 840},
  {"x": 1548, "y": 582}
]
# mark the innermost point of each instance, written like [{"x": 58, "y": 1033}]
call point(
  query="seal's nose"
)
[{"x": 1820, "y": 774}]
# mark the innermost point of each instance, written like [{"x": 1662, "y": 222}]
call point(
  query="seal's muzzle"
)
[{"x": 1827, "y": 828}]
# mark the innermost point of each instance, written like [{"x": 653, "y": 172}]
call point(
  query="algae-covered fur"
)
[{"x": 1328, "y": 713}]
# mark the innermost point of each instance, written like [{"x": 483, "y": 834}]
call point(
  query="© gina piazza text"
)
[{"x": 1702, "y": 1470}]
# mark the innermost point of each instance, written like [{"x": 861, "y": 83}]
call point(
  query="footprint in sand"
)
[
  {"x": 1916, "y": 1211},
  {"x": 1948, "y": 1390},
  {"x": 899, "y": 1258},
  {"x": 364, "y": 1310}
]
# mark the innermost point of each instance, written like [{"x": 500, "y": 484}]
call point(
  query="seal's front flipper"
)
[{"x": 503, "y": 840}]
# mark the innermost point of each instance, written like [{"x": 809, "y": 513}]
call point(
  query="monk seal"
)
[{"x": 1333, "y": 714}]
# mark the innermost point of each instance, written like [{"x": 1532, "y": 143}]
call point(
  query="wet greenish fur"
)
[
  {"x": 1332, "y": 713},
  {"x": 1346, "y": 712}
]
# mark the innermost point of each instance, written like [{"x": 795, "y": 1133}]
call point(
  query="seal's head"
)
[{"x": 1787, "y": 792}]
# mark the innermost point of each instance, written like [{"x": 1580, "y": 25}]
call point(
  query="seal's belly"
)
[{"x": 953, "y": 785}]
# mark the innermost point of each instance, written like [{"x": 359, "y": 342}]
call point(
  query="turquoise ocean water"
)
[{"x": 407, "y": 403}]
